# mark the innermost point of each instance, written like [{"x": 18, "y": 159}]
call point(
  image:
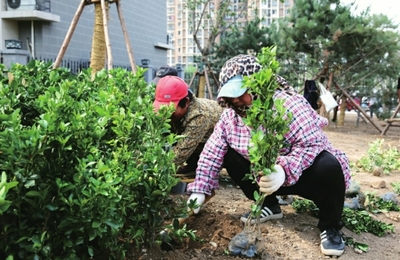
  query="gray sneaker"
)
[{"x": 332, "y": 242}]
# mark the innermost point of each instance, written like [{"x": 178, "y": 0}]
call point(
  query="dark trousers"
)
[{"x": 322, "y": 183}]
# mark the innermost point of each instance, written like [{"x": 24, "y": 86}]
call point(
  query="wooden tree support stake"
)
[
  {"x": 207, "y": 82},
  {"x": 192, "y": 79},
  {"x": 70, "y": 32},
  {"x": 74, "y": 22},
  {"x": 357, "y": 106},
  {"x": 106, "y": 36},
  {"x": 391, "y": 120},
  {"x": 127, "y": 42}
]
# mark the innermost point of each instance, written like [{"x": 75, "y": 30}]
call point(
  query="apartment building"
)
[
  {"x": 179, "y": 24},
  {"x": 37, "y": 29}
]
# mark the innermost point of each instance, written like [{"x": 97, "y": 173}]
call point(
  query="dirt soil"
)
[{"x": 295, "y": 236}]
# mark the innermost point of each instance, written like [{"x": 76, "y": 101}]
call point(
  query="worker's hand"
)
[
  {"x": 272, "y": 182},
  {"x": 198, "y": 199}
]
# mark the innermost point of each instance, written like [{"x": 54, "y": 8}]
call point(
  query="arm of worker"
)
[{"x": 196, "y": 128}]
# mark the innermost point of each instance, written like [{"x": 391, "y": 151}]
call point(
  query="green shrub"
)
[
  {"x": 379, "y": 156},
  {"x": 90, "y": 159},
  {"x": 396, "y": 187}
]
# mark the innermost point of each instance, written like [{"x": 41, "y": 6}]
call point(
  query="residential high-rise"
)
[{"x": 180, "y": 24}]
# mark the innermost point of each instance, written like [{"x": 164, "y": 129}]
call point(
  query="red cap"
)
[{"x": 170, "y": 89}]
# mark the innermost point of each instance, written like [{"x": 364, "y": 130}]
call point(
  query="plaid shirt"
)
[{"x": 306, "y": 141}]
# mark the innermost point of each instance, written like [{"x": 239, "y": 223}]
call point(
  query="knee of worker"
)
[{"x": 236, "y": 165}]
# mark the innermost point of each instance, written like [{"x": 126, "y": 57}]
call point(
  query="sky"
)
[{"x": 387, "y": 7}]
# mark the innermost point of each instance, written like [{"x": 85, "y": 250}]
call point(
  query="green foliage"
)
[
  {"x": 396, "y": 187},
  {"x": 361, "y": 221},
  {"x": 303, "y": 205},
  {"x": 268, "y": 119},
  {"x": 361, "y": 246},
  {"x": 4, "y": 188},
  {"x": 251, "y": 36},
  {"x": 380, "y": 156},
  {"x": 321, "y": 38},
  {"x": 215, "y": 18},
  {"x": 91, "y": 160},
  {"x": 356, "y": 221},
  {"x": 376, "y": 204}
]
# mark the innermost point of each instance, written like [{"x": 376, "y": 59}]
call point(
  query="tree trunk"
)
[
  {"x": 202, "y": 86},
  {"x": 342, "y": 113},
  {"x": 98, "y": 54}
]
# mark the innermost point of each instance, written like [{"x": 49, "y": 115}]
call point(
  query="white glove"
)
[
  {"x": 199, "y": 199},
  {"x": 272, "y": 182}
]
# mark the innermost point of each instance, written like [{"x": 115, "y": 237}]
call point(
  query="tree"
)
[
  {"x": 321, "y": 39},
  {"x": 215, "y": 17},
  {"x": 98, "y": 53},
  {"x": 252, "y": 37}
]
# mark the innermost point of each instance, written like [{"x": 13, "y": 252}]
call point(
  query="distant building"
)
[
  {"x": 37, "y": 28},
  {"x": 179, "y": 24}
]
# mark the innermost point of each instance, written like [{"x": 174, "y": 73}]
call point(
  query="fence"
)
[{"x": 76, "y": 66}]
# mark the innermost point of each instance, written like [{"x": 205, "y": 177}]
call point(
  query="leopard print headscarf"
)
[{"x": 245, "y": 65}]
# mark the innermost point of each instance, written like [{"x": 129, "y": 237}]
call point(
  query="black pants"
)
[{"x": 322, "y": 183}]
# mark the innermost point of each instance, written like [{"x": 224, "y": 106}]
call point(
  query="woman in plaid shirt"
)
[{"x": 308, "y": 166}]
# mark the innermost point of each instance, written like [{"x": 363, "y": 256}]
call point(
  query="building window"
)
[{"x": 274, "y": 2}]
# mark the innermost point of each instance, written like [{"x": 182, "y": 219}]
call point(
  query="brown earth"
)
[{"x": 295, "y": 236}]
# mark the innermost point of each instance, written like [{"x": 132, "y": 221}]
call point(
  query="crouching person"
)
[{"x": 308, "y": 166}]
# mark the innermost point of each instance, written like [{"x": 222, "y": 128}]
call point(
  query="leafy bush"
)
[
  {"x": 91, "y": 161},
  {"x": 357, "y": 221},
  {"x": 377, "y": 204},
  {"x": 4, "y": 188},
  {"x": 379, "y": 156},
  {"x": 396, "y": 187}
]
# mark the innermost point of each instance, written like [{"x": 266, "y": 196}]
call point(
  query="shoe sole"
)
[
  {"x": 330, "y": 252},
  {"x": 262, "y": 220}
]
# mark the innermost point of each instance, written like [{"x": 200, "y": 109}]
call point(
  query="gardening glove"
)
[
  {"x": 272, "y": 182},
  {"x": 199, "y": 199}
]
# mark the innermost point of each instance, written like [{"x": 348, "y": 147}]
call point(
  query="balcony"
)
[{"x": 29, "y": 10}]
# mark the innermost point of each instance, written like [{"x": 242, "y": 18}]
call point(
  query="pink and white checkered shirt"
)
[{"x": 306, "y": 140}]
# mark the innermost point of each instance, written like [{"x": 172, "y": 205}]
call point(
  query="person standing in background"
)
[
  {"x": 164, "y": 71},
  {"x": 398, "y": 91},
  {"x": 372, "y": 105}
]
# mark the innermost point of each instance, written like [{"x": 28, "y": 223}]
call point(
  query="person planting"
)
[
  {"x": 307, "y": 165},
  {"x": 194, "y": 118}
]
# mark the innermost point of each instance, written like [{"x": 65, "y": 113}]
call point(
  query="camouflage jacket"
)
[{"x": 197, "y": 126}]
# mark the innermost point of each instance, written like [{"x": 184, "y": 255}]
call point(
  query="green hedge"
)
[{"x": 90, "y": 159}]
